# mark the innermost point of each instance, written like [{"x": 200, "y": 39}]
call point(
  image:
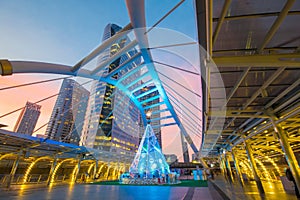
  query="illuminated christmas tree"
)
[{"x": 149, "y": 161}]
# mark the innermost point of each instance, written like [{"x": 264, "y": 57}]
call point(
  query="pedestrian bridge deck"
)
[
  {"x": 88, "y": 191},
  {"x": 273, "y": 190}
]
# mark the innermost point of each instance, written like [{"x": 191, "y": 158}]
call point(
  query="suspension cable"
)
[
  {"x": 197, "y": 117},
  {"x": 180, "y": 84},
  {"x": 65, "y": 110},
  {"x": 166, "y": 15},
  {"x": 174, "y": 67},
  {"x": 33, "y": 83},
  {"x": 182, "y": 97}
]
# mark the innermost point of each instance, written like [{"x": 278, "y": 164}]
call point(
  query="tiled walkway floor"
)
[
  {"x": 82, "y": 192},
  {"x": 273, "y": 190}
]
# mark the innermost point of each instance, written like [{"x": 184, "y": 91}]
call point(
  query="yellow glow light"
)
[
  {"x": 148, "y": 114},
  {"x": 31, "y": 166},
  {"x": 56, "y": 169}
]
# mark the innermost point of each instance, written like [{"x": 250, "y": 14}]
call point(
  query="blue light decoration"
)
[{"x": 149, "y": 161}]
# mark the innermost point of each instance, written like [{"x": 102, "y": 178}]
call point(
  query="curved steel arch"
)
[
  {"x": 29, "y": 168},
  {"x": 6, "y": 155},
  {"x": 136, "y": 10}
]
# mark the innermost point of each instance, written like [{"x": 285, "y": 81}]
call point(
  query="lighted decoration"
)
[
  {"x": 148, "y": 115},
  {"x": 149, "y": 161}
]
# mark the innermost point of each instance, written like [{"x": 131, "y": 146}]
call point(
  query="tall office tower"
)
[
  {"x": 68, "y": 115},
  {"x": 186, "y": 155},
  {"x": 155, "y": 115},
  {"x": 28, "y": 118},
  {"x": 112, "y": 119}
]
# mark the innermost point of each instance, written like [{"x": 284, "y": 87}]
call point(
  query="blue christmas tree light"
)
[{"x": 149, "y": 161}]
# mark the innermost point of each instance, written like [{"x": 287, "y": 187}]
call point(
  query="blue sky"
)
[{"x": 65, "y": 31}]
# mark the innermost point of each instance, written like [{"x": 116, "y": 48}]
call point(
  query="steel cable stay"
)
[
  {"x": 165, "y": 16},
  {"x": 179, "y": 84},
  {"x": 187, "y": 120},
  {"x": 181, "y": 96},
  {"x": 172, "y": 45},
  {"x": 189, "y": 125},
  {"x": 193, "y": 131},
  {"x": 177, "y": 68},
  {"x": 184, "y": 116},
  {"x": 25, "y": 106},
  {"x": 66, "y": 109},
  {"x": 49, "y": 120},
  {"x": 49, "y": 97},
  {"x": 181, "y": 105},
  {"x": 184, "y": 113},
  {"x": 34, "y": 83}
]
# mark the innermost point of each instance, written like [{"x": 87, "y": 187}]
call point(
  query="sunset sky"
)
[{"x": 64, "y": 32}]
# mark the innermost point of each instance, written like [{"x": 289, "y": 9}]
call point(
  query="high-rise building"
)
[
  {"x": 112, "y": 118},
  {"x": 155, "y": 115},
  {"x": 68, "y": 115},
  {"x": 186, "y": 155},
  {"x": 28, "y": 118}
]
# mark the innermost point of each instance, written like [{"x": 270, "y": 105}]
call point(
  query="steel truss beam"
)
[
  {"x": 252, "y": 16},
  {"x": 107, "y": 43},
  {"x": 221, "y": 20},
  {"x": 136, "y": 12},
  {"x": 138, "y": 21},
  {"x": 271, "y": 60},
  {"x": 239, "y": 114},
  {"x": 276, "y": 24},
  {"x": 122, "y": 51}
]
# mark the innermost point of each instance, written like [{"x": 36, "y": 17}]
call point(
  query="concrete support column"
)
[
  {"x": 222, "y": 166},
  {"x": 254, "y": 168},
  {"x": 204, "y": 164},
  {"x": 287, "y": 149},
  {"x": 53, "y": 166},
  {"x": 13, "y": 171},
  {"x": 237, "y": 167}
]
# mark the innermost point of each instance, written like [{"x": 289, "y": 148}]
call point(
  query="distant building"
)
[
  {"x": 186, "y": 155},
  {"x": 112, "y": 122},
  {"x": 194, "y": 157},
  {"x": 41, "y": 136},
  {"x": 155, "y": 115},
  {"x": 171, "y": 158},
  {"x": 28, "y": 118},
  {"x": 68, "y": 115}
]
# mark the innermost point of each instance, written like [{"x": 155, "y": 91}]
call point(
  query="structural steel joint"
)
[{"x": 5, "y": 68}]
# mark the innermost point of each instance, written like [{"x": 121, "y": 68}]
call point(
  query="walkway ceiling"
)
[{"x": 255, "y": 45}]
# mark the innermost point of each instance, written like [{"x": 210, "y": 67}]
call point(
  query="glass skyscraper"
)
[
  {"x": 28, "y": 118},
  {"x": 68, "y": 115},
  {"x": 112, "y": 118},
  {"x": 155, "y": 115}
]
